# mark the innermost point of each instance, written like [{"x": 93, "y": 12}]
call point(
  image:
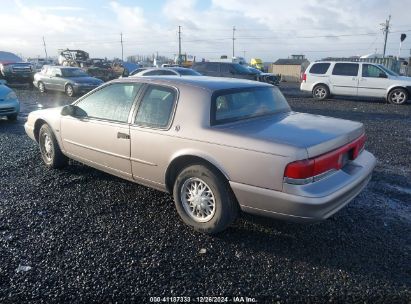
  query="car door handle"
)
[{"x": 123, "y": 135}]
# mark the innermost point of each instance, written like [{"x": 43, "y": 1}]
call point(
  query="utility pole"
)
[
  {"x": 386, "y": 30},
  {"x": 121, "y": 41},
  {"x": 233, "y": 40},
  {"x": 179, "y": 42},
  {"x": 45, "y": 49}
]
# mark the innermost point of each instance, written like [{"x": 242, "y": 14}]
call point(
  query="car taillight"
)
[
  {"x": 304, "y": 77},
  {"x": 312, "y": 169}
]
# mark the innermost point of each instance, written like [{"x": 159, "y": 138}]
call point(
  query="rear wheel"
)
[
  {"x": 398, "y": 96},
  {"x": 321, "y": 92},
  {"x": 49, "y": 148},
  {"x": 69, "y": 90},
  {"x": 203, "y": 199}
]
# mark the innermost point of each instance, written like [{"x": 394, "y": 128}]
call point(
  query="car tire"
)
[
  {"x": 204, "y": 199},
  {"x": 398, "y": 96},
  {"x": 12, "y": 117},
  {"x": 41, "y": 86},
  {"x": 321, "y": 92},
  {"x": 69, "y": 90},
  {"x": 49, "y": 148}
]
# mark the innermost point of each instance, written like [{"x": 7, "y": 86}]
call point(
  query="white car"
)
[{"x": 324, "y": 79}]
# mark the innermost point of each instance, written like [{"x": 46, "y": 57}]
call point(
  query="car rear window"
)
[
  {"x": 346, "y": 69},
  {"x": 239, "y": 104},
  {"x": 320, "y": 68}
]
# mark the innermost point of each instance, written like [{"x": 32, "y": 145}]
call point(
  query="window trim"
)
[
  {"x": 136, "y": 98},
  {"x": 140, "y": 99},
  {"x": 318, "y": 63},
  {"x": 213, "y": 109},
  {"x": 376, "y": 66},
  {"x": 350, "y": 63}
]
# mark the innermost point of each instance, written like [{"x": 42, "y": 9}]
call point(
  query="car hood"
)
[
  {"x": 403, "y": 78},
  {"x": 317, "y": 134},
  {"x": 4, "y": 90},
  {"x": 91, "y": 80}
]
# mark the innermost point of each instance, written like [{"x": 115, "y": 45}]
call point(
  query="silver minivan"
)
[{"x": 325, "y": 78}]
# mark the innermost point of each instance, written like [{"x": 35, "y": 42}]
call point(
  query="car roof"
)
[{"x": 203, "y": 82}]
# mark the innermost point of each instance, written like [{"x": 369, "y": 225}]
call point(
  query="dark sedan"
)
[{"x": 70, "y": 80}]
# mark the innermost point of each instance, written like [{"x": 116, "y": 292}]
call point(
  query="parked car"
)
[
  {"x": 70, "y": 80},
  {"x": 265, "y": 77},
  {"x": 325, "y": 79},
  {"x": 9, "y": 104},
  {"x": 171, "y": 71},
  {"x": 232, "y": 70},
  {"x": 14, "y": 69},
  {"x": 218, "y": 145}
]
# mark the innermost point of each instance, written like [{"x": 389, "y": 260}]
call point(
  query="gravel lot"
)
[{"x": 80, "y": 235}]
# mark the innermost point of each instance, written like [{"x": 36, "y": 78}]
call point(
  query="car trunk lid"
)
[{"x": 317, "y": 134}]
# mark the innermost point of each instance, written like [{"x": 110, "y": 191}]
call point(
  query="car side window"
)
[
  {"x": 156, "y": 107},
  {"x": 153, "y": 73},
  {"x": 49, "y": 72},
  {"x": 346, "y": 69},
  {"x": 167, "y": 72},
  {"x": 319, "y": 68},
  {"x": 112, "y": 102},
  {"x": 370, "y": 70},
  {"x": 55, "y": 72}
]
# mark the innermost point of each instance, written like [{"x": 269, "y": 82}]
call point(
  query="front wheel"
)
[
  {"x": 42, "y": 87},
  {"x": 49, "y": 148},
  {"x": 203, "y": 199},
  {"x": 321, "y": 92},
  {"x": 398, "y": 96},
  {"x": 69, "y": 90}
]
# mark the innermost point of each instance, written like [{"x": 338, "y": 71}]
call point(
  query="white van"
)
[{"x": 324, "y": 79}]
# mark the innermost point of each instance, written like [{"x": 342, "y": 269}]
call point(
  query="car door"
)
[
  {"x": 344, "y": 79},
  {"x": 56, "y": 80},
  {"x": 100, "y": 136},
  {"x": 46, "y": 78},
  {"x": 373, "y": 81},
  {"x": 150, "y": 136}
]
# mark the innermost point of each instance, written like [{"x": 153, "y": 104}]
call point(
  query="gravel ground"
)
[{"x": 80, "y": 235}]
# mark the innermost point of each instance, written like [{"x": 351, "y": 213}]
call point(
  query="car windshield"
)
[
  {"x": 234, "y": 105},
  {"x": 188, "y": 72},
  {"x": 73, "y": 73},
  {"x": 241, "y": 69},
  {"x": 388, "y": 71}
]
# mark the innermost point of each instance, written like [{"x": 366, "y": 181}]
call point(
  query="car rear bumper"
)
[{"x": 312, "y": 202}]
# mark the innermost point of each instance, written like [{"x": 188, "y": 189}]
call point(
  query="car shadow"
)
[{"x": 346, "y": 241}]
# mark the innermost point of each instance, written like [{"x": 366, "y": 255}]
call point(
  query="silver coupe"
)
[{"x": 218, "y": 145}]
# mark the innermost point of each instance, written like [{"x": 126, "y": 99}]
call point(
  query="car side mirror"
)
[
  {"x": 382, "y": 75},
  {"x": 73, "y": 110}
]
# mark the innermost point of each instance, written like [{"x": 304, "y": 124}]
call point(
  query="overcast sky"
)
[{"x": 264, "y": 29}]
